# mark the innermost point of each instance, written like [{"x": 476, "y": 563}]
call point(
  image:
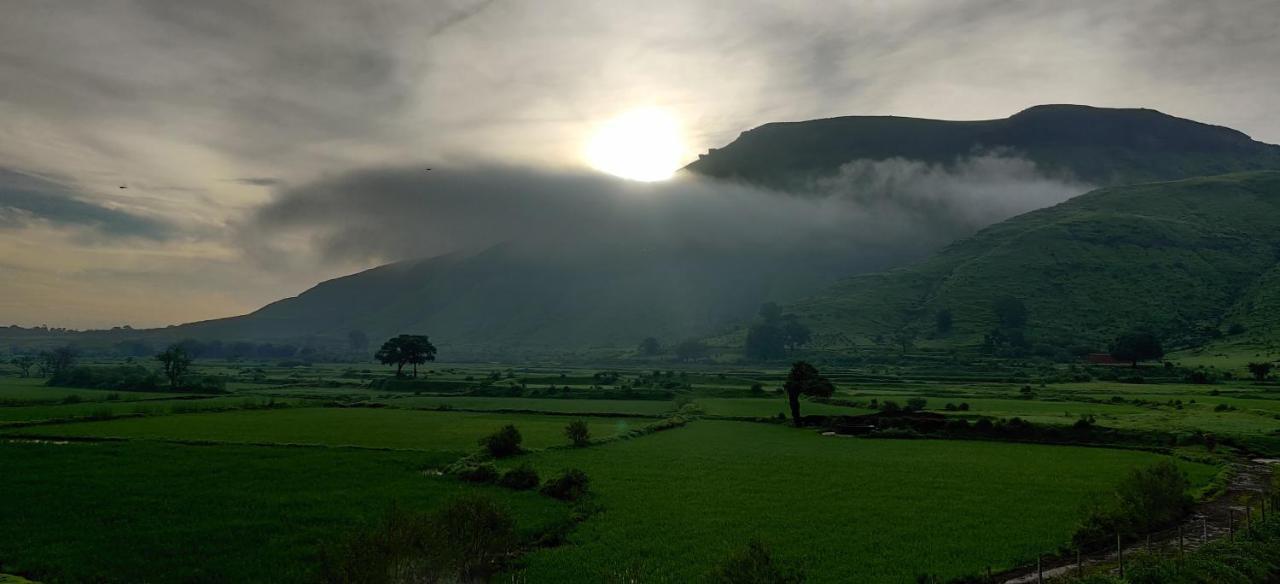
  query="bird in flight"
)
[{"x": 124, "y": 186}]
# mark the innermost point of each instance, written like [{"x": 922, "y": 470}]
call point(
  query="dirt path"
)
[{"x": 1211, "y": 520}]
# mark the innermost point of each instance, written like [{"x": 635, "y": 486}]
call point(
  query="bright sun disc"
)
[{"x": 642, "y": 144}]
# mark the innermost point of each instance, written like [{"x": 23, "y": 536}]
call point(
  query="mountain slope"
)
[
  {"x": 1101, "y": 146},
  {"x": 512, "y": 301},
  {"x": 1175, "y": 257}
]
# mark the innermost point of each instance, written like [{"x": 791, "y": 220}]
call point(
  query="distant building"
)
[{"x": 1102, "y": 359}]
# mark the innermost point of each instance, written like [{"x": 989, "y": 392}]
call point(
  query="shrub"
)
[
  {"x": 478, "y": 473},
  {"x": 520, "y": 478},
  {"x": 571, "y": 485},
  {"x": 890, "y": 407},
  {"x": 503, "y": 443},
  {"x": 578, "y": 433},
  {"x": 916, "y": 404},
  {"x": 964, "y": 406},
  {"x": 466, "y": 541},
  {"x": 1147, "y": 499},
  {"x": 755, "y": 564}
]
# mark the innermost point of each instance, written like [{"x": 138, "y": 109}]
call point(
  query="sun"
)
[{"x": 641, "y": 144}]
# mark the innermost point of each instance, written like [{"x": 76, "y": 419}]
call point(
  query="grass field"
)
[
  {"x": 367, "y": 427},
  {"x": 17, "y": 390},
  {"x": 101, "y": 409},
  {"x": 851, "y": 510},
  {"x": 156, "y": 512},
  {"x": 768, "y": 407},
  {"x": 565, "y": 406}
]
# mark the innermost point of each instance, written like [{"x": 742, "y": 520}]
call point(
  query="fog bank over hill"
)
[{"x": 886, "y": 207}]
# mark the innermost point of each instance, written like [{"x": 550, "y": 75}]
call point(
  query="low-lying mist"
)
[{"x": 881, "y": 212}]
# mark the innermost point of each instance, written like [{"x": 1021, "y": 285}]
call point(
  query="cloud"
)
[
  {"x": 25, "y": 199},
  {"x": 259, "y": 181},
  {"x": 870, "y": 209}
]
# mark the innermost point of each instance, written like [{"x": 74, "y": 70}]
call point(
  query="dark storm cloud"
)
[
  {"x": 26, "y": 199},
  {"x": 892, "y": 207}
]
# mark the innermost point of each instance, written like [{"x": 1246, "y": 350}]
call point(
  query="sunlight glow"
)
[{"x": 641, "y": 144}]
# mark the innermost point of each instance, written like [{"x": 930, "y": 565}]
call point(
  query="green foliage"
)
[
  {"x": 1260, "y": 371},
  {"x": 467, "y": 540},
  {"x": 175, "y": 363},
  {"x": 1147, "y": 499},
  {"x": 804, "y": 379},
  {"x": 1135, "y": 346},
  {"x": 572, "y": 484},
  {"x": 503, "y": 443},
  {"x": 650, "y": 347},
  {"x": 126, "y": 377},
  {"x": 406, "y": 350},
  {"x": 578, "y": 432},
  {"x": 1164, "y": 256},
  {"x": 520, "y": 478},
  {"x": 755, "y": 564}
]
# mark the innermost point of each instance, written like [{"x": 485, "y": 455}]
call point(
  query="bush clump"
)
[
  {"x": 478, "y": 473},
  {"x": 520, "y": 478},
  {"x": 503, "y": 443},
  {"x": 755, "y": 564},
  {"x": 468, "y": 540},
  {"x": 571, "y": 485},
  {"x": 578, "y": 433}
]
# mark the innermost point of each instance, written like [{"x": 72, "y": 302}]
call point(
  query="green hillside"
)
[
  {"x": 1127, "y": 248},
  {"x": 1183, "y": 258},
  {"x": 1102, "y": 146}
]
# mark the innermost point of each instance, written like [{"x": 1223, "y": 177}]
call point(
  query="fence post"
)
[
  {"x": 988, "y": 573},
  {"x": 1248, "y": 518},
  {"x": 1231, "y": 524},
  {"x": 1120, "y": 553},
  {"x": 1079, "y": 565},
  {"x": 1039, "y": 570},
  {"x": 1204, "y": 530}
]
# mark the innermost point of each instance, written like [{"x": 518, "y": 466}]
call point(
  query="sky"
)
[{"x": 219, "y": 117}]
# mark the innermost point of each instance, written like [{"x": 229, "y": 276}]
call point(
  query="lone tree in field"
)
[
  {"x": 1260, "y": 371},
  {"x": 578, "y": 433},
  {"x": 176, "y": 362},
  {"x": 1136, "y": 346},
  {"x": 406, "y": 350},
  {"x": 804, "y": 379},
  {"x": 24, "y": 364}
]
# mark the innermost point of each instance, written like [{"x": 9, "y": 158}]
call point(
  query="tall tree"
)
[
  {"x": 770, "y": 312},
  {"x": 176, "y": 362},
  {"x": 794, "y": 333},
  {"x": 59, "y": 360},
  {"x": 406, "y": 350},
  {"x": 650, "y": 347},
  {"x": 24, "y": 364},
  {"x": 1136, "y": 346},
  {"x": 1261, "y": 370},
  {"x": 804, "y": 379}
]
